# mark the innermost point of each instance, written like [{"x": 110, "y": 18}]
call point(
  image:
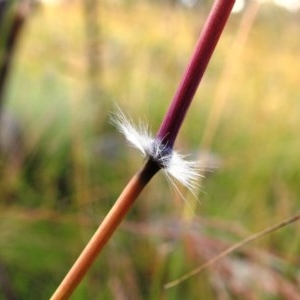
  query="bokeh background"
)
[{"x": 63, "y": 164}]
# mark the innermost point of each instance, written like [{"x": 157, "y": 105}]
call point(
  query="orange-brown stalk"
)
[{"x": 105, "y": 230}]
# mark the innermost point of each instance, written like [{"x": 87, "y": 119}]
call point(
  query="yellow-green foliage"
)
[{"x": 248, "y": 116}]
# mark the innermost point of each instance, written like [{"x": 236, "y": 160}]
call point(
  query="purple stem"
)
[{"x": 204, "y": 48}]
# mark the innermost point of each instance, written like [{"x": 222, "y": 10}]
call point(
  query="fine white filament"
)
[{"x": 173, "y": 164}]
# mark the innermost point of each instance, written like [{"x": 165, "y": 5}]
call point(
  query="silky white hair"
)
[{"x": 173, "y": 164}]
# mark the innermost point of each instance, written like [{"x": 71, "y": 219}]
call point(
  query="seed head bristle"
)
[{"x": 173, "y": 164}]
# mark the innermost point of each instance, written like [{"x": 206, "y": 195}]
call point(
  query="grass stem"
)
[
  {"x": 232, "y": 248},
  {"x": 105, "y": 231},
  {"x": 162, "y": 155}
]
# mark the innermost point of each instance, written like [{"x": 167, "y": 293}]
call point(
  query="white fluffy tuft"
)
[
  {"x": 137, "y": 138},
  {"x": 174, "y": 165},
  {"x": 184, "y": 171}
]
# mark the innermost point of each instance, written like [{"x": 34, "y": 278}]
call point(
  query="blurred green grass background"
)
[{"x": 246, "y": 111}]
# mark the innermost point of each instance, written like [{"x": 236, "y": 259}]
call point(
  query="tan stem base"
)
[{"x": 99, "y": 239}]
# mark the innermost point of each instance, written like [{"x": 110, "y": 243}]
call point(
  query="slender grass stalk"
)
[
  {"x": 233, "y": 248},
  {"x": 159, "y": 150},
  {"x": 104, "y": 232},
  {"x": 187, "y": 88}
]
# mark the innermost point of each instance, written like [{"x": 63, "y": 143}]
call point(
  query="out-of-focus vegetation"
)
[{"x": 75, "y": 164}]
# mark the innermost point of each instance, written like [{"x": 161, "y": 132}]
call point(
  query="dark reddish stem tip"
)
[{"x": 203, "y": 51}]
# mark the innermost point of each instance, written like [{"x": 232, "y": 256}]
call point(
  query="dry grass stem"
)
[
  {"x": 234, "y": 247},
  {"x": 99, "y": 239}
]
